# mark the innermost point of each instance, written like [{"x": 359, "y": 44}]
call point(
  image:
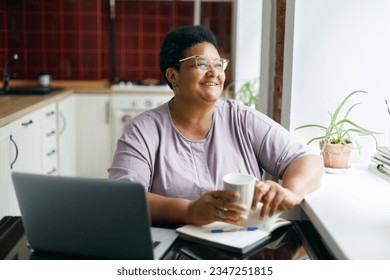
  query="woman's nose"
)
[{"x": 211, "y": 71}]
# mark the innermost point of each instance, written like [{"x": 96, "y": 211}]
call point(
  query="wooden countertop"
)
[{"x": 13, "y": 107}]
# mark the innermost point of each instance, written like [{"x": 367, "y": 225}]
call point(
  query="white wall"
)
[
  {"x": 267, "y": 58},
  {"x": 334, "y": 47},
  {"x": 247, "y": 33},
  {"x": 254, "y": 46}
]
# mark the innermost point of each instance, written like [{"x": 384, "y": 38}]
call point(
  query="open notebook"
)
[
  {"x": 238, "y": 238},
  {"x": 90, "y": 217}
]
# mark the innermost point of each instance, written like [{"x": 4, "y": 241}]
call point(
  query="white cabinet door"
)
[
  {"x": 8, "y": 202},
  {"x": 26, "y": 135},
  {"x": 49, "y": 156},
  {"x": 93, "y": 135},
  {"x": 67, "y": 161}
]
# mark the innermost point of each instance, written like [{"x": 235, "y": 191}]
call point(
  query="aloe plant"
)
[
  {"x": 247, "y": 93},
  {"x": 340, "y": 129}
]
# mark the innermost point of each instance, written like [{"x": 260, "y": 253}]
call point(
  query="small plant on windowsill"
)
[
  {"x": 247, "y": 93},
  {"x": 336, "y": 143}
]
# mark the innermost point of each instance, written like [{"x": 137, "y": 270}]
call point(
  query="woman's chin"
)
[{"x": 211, "y": 95}]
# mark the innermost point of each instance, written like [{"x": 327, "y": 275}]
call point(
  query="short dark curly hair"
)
[{"x": 178, "y": 40}]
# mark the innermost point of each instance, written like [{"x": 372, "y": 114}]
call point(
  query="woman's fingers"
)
[
  {"x": 227, "y": 201},
  {"x": 217, "y": 206},
  {"x": 228, "y": 216},
  {"x": 223, "y": 205},
  {"x": 267, "y": 200},
  {"x": 271, "y": 195},
  {"x": 277, "y": 201},
  {"x": 261, "y": 188}
]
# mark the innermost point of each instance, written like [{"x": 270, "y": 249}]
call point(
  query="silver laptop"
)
[{"x": 90, "y": 217}]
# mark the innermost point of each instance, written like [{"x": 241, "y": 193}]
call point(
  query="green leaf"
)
[
  {"x": 314, "y": 139},
  {"x": 336, "y": 113},
  {"x": 339, "y": 131},
  {"x": 311, "y": 125},
  {"x": 359, "y": 128}
]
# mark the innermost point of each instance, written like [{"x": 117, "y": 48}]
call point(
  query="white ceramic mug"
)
[
  {"x": 244, "y": 184},
  {"x": 44, "y": 79}
]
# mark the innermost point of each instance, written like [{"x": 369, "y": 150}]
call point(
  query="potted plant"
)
[
  {"x": 336, "y": 142},
  {"x": 247, "y": 93}
]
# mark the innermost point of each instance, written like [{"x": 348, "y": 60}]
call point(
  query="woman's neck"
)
[{"x": 193, "y": 122}]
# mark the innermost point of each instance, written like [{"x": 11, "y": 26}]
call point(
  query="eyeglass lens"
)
[{"x": 202, "y": 63}]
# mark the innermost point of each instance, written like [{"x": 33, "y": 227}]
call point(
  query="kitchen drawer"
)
[
  {"x": 49, "y": 163},
  {"x": 48, "y": 138},
  {"x": 49, "y": 133},
  {"x": 49, "y": 150},
  {"x": 48, "y": 115}
]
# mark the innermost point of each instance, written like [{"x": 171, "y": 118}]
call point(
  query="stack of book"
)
[{"x": 380, "y": 162}]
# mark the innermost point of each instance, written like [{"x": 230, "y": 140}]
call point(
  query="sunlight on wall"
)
[{"x": 337, "y": 47}]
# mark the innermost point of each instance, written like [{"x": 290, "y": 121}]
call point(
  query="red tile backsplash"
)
[{"x": 70, "y": 38}]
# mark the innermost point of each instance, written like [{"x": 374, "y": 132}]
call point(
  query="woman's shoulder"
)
[
  {"x": 236, "y": 108},
  {"x": 158, "y": 114},
  {"x": 150, "y": 120},
  {"x": 233, "y": 105}
]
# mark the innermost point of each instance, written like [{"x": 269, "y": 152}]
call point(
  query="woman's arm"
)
[
  {"x": 302, "y": 176},
  {"x": 165, "y": 209},
  {"x": 170, "y": 210}
]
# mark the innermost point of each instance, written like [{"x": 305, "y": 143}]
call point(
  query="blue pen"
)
[{"x": 234, "y": 229}]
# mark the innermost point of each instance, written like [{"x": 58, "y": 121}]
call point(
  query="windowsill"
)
[{"x": 351, "y": 211}]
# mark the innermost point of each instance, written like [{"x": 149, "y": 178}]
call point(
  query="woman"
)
[{"x": 181, "y": 150}]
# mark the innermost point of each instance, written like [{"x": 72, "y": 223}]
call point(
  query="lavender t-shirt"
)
[{"x": 152, "y": 151}]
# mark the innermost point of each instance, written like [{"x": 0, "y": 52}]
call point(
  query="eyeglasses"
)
[{"x": 203, "y": 63}]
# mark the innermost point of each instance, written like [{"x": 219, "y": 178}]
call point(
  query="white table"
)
[{"x": 352, "y": 213}]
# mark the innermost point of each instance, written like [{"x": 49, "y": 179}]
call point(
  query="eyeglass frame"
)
[{"x": 225, "y": 61}]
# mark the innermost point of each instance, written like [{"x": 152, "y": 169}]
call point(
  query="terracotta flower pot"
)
[{"x": 336, "y": 155}]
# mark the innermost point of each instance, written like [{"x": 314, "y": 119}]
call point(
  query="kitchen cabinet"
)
[
  {"x": 76, "y": 135},
  {"x": 66, "y": 125},
  {"x": 49, "y": 150},
  {"x": 26, "y": 136},
  {"x": 24, "y": 149},
  {"x": 93, "y": 135},
  {"x": 8, "y": 204},
  {"x": 28, "y": 144},
  {"x": 20, "y": 150}
]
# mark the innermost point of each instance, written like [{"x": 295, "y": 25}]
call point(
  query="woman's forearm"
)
[
  {"x": 304, "y": 175},
  {"x": 167, "y": 209}
]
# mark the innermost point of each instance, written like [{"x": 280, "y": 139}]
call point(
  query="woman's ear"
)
[{"x": 171, "y": 75}]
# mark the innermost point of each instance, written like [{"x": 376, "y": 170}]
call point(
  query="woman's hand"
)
[
  {"x": 302, "y": 176},
  {"x": 274, "y": 197},
  {"x": 215, "y": 206}
]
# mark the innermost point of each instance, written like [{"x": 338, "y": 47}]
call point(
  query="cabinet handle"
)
[
  {"x": 51, "y": 133},
  {"x": 52, "y": 171},
  {"x": 107, "y": 112},
  {"x": 62, "y": 117},
  {"x": 27, "y": 123},
  {"x": 17, "y": 151},
  {"x": 52, "y": 152},
  {"x": 51, "y": 113}
]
